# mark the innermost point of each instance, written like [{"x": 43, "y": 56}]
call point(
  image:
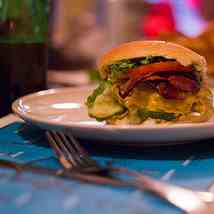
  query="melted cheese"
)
[{"x": 154, "y": 102}]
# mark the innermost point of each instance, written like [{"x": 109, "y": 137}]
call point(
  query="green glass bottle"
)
[{"x": 23, "y": 49}]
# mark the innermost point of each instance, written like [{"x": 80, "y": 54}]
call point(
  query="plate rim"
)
[{"x": 34, "y": 119}]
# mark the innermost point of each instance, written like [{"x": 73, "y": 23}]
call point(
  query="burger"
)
[{"x": 151, "y": 81}]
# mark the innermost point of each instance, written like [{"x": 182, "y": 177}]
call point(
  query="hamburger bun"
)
[{"x": 138, "y": 49}]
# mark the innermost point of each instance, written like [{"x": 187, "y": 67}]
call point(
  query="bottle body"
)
[{"x": 23, "y": 49}]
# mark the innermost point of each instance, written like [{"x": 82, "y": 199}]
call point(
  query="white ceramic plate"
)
[{"x": 64, "y": 109}]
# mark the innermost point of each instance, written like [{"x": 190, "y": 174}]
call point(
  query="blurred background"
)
[
  {"x": 81, "y": 31},
  {"x": 56, "y": 43}
]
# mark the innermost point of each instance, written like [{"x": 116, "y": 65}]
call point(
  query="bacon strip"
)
[
  {"x": 145, "y": 71},
  {"x": 169, "y": 92},
  {"x": 183, "y": 83}
]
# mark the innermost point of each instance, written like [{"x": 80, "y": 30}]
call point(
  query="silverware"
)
[
  {"x": 73, "y": 157},
  {"x": 211, "y": 187}
]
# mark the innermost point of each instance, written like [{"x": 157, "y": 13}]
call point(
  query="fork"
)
[{"x": 73, "y": 157}]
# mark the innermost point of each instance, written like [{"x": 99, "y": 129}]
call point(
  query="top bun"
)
[{"x": 138, "y": 49}]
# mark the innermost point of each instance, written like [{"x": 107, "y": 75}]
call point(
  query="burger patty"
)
[{"x": 169, "y": 78}]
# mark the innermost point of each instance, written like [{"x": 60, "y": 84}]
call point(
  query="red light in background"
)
[
  {"x": 194, "y": 4},
  {"x": 159, "y": 19}
]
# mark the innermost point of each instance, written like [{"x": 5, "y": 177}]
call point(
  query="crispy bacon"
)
[
  {"x": 146, "y": 73},
  {"x": 183, "y": 83},
  {"x": 169, "y": 92}
]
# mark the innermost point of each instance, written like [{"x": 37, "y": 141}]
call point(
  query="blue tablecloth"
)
[{"x": 190, "y": 165}]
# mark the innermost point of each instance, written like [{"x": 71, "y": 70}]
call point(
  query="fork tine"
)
[
  {"x": 53, "y": 144},
  {"x": 77, "y": 146},
  {"x": 70, "y": 148},
  {"x": 61, "y": 142},
  {"x": 63, "y": 160},
  {"x": 66, "y": 148},
  {"x": 83, "y": 154}
]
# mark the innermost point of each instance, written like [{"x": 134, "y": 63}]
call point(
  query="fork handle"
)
[{"x": 185, "y": 199}]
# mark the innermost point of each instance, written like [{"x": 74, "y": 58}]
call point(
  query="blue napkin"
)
[{"x": 189, "y": 165}]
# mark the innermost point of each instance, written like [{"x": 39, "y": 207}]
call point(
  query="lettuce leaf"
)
[{"x": 120, "y": 67}]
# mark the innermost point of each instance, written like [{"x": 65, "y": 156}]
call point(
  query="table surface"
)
[{"x": 189, "y": 165}]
